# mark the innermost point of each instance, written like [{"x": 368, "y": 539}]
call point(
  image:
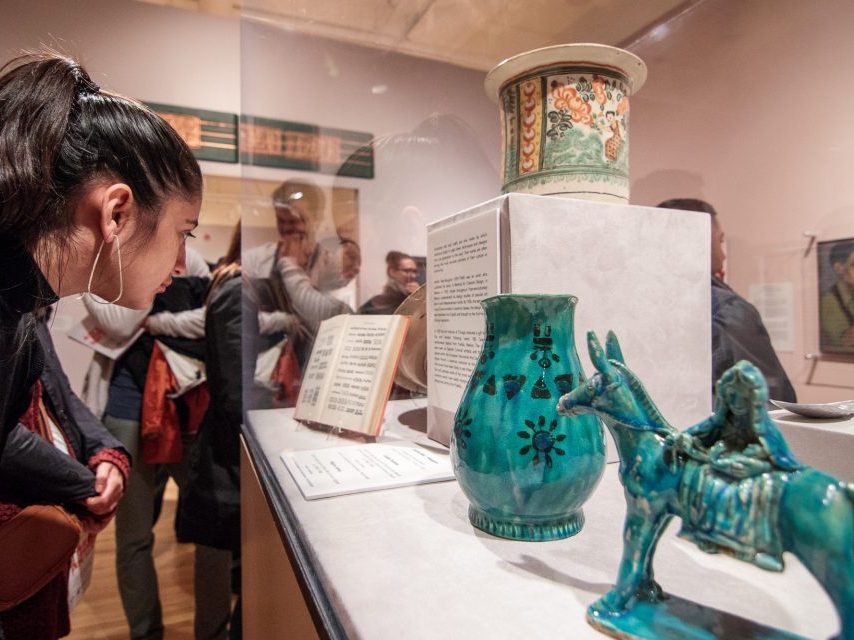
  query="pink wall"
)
[{"x": 748, "y": 105}]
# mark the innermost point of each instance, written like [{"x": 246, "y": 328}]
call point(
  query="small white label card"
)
[
  {"x": 775, "y": 303},
  {"x": 335, "y": 471}
]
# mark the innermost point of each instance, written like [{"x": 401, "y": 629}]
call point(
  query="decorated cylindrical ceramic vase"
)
[
  {"x": 526, "y": 470},
  {"x": 565, "y": 120}
]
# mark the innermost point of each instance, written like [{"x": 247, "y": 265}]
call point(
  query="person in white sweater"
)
[
  {"x": 308, "y": 271},
  {"x": 121, "y": 323}
]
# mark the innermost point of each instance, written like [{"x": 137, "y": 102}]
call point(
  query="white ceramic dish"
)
[{"x": 844, "y": 409}]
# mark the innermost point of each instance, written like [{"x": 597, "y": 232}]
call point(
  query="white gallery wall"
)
[
  {"x": 748, "y": 106},
  {"x": 145, "y": 51}
]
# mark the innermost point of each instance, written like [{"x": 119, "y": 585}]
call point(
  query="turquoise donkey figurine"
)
[{"x": 731, "y": 479}]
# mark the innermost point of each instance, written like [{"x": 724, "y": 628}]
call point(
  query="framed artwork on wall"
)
[{"x": 836, "y": 296}]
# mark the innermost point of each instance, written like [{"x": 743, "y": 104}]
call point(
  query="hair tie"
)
[
  {"x": 86, "y": 87},
  {"x": 83, "y": 84}
]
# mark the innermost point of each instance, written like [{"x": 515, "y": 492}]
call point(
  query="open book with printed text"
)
[{"x": 351, "y": 371}]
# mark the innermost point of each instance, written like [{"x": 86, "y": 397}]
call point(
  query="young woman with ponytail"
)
[{"x": 97, "y": 195}]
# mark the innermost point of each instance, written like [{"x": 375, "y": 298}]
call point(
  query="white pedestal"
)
[
  {"x": 641, "y": 271},
  {"x": 824, "y": 444}
]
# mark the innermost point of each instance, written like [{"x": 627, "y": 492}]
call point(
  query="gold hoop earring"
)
[{"x": 95, "y": 264}]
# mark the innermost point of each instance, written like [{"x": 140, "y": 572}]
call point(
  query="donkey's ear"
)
[
  {"x": 612, "y": 348},
  {"x": 597, "y": 354}
]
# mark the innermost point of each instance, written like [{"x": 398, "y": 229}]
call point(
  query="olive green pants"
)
[{"x": 135, "y": 569}]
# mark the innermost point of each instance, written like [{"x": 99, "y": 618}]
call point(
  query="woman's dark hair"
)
[
  {"x": 227, "y": 266},
  {"x": 393, "y": 259},
  {"x": 232, "y": 254},
  {"x": 59, "y": 132}
]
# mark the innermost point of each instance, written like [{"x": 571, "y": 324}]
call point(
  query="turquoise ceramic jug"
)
[{"x": 525, "y": 469}]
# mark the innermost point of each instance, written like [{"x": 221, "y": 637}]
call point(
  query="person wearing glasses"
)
[{"x": 402, "y": 281}]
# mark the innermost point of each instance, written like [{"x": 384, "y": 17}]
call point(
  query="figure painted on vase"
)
[{"x": 615, "y": 142}]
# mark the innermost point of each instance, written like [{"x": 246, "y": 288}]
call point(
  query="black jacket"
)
[
  {"x": 738, "y": 334},
  {"x": 384, "y": 303},
  {"x": 209, "y": 510},
  {"x": 34, "y": 470},
  {"x": 22, "y": 290},
  {"x": 185, "y": 293}
]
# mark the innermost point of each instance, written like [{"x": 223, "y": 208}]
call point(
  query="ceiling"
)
[{"x": 470, "y": 33}]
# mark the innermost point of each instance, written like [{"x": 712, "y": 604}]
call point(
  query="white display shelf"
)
[{"x": 406, "y": 563}]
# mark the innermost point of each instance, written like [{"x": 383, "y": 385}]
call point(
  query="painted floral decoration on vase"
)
[
  {"x": 525, "y": 470},
  {"x": 565, "y": 113},
  {"x": 581, "y": 115}
]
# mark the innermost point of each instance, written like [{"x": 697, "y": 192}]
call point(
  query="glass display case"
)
[
  {"x": 333, "y": 133},
  {"x": 396, "y": 142}
]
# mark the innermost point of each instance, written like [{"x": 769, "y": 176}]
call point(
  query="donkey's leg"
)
[
  {"x": 649, "y": 589},
  {"x": 640, "y": 534}
]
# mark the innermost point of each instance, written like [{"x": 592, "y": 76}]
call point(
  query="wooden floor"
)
[{"x": 99, "y": 616}]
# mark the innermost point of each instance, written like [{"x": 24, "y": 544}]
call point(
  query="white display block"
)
[
  {"x": 640, "y": 271},
  {"x": 824, "y": 444}
]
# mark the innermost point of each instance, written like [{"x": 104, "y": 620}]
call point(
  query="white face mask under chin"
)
[{"x": 95, "y": 265}]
